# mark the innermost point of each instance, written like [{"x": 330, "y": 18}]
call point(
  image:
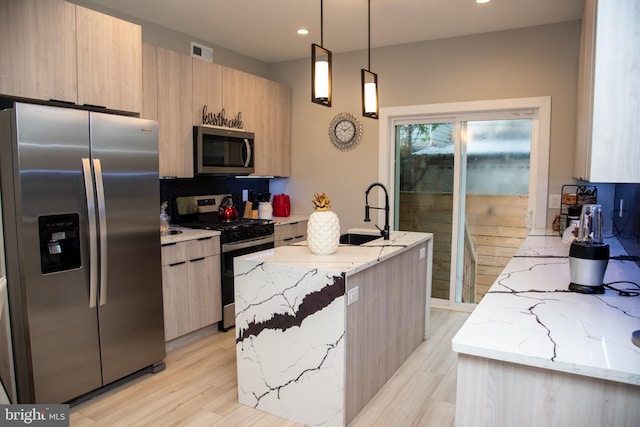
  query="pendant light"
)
[
  {"x": 369, "y": 81},
  {"x": 321, "y": 69}
]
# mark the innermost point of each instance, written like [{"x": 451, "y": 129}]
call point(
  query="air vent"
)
[{"x": 200, "y": 51}]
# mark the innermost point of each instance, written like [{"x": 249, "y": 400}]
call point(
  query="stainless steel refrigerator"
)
[{"x": 80, "y": 207}]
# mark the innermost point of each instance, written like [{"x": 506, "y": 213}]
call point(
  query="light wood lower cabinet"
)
[
  {"x": 191, "y": 285},
  {"x": 288, "y": 233}
]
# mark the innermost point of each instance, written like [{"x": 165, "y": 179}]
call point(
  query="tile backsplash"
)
[
  {"x": 202, "y": 185},
  {"x": 627, "y": 227}
]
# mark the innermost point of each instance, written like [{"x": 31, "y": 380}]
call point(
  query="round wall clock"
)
[{"x": 345, "y": 131}]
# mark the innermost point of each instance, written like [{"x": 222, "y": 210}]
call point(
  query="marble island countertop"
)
[
  {"x": 347, "y": 259},
  {"x": 530, "y": 317}
]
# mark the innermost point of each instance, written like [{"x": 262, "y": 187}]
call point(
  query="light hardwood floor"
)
[{"x": 198, "y": 388}]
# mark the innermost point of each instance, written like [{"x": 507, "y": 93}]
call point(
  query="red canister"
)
[{"x": 281, "y": 205}]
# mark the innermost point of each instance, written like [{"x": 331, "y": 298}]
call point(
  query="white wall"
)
[{"x": 536, "y": 61}]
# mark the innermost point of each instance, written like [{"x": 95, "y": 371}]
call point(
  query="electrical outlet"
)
[
  {"x": 554, "y": 201},
  {"x": 353, "y": 295},
  {"x": 245, "y": 195},
  {"x": 423, "y": 253}
]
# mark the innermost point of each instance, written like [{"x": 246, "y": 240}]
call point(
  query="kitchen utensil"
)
[
  {"x": 281, "y": 205},
  {"x": 227, "y": 210},
  {"x": 588, "y": 254}
]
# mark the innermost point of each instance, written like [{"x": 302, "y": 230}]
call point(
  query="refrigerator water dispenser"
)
[{"x": 59, "y": 242}]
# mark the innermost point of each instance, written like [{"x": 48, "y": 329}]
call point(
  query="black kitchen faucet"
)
[{"x": 383, "y": 232}]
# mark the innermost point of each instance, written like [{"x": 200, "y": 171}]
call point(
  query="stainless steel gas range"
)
[{"x": 238, "y": 237}]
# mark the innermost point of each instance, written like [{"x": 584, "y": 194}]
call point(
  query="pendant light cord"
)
[
  {"x": 369, "y": 33},
  {"x": 321, "y": 25}
]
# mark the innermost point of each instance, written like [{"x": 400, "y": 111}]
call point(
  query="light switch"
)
[{"x": 423, "y": 253}]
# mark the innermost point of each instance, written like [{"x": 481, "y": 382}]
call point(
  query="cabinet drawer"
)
[
  {"x": 173, "y": 252},
  {"x": 203, "y": 247}
]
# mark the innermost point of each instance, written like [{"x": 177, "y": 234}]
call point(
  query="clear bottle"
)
[{"x": 164, "y": 219}]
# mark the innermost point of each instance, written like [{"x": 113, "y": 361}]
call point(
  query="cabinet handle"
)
[
  {"x": 177, "y": 263},
  {"x": 169, "y": 244},
  {"x": 287, "y": 239},
  {"x": 205, "y": 238},
  {"x": 300, "y": 236},
  {"x": 196, "y": 259}
]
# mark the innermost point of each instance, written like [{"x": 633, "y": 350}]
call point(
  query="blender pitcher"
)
[{"x": 588, "y": 254}]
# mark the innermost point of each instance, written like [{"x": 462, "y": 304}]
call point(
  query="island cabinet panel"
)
[
  {"x": 607, "y": 148},
  {"x": 109, "y": 61},
  {"x": 38, "y": 50},
  {"x": 175, "y": 135},
  {"x": 191, "y": 285},
  {"x": 385, "y": 325},
  {"x": 207, "y": 89},
  {"x": 307, "y": 348}
]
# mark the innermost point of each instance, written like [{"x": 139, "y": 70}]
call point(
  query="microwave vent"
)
[{"x": 201, "y": 51}]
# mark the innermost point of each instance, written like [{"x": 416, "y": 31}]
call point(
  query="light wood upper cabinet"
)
[
  {"x": 607, "y": 148},
  {"x": 149, "y": 82},
  {"x": 38, "y": 49},
  {"x": 266, "y": 110},
  {"x": 181, "y": 86},
  {"x": 54, "y": 50},
  {"x": 241, "y": 93},
  {"x": 175, "y": 93},
  {"x": 275, "y": 151},
  {"x": 207, "y": 88},
  {"x": 109, "y": 61}
]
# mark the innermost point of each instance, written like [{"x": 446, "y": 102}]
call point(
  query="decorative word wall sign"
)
[{"x": 219, "y": 119}]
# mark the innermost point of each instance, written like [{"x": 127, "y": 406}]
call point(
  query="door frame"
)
[{"x": 539, "y": 160}]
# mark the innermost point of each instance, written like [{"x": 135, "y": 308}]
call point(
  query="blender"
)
[{"x": 588, "y": 254}]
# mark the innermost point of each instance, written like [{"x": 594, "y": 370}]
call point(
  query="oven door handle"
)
[{"x": 234, "y": 246}]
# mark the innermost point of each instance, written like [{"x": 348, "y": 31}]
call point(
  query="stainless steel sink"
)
[{"x": 357, "y": 239}]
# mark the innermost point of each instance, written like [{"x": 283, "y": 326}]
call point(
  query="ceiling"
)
[{"x": 266, "y": 29}]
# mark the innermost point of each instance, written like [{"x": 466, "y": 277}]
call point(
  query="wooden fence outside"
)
[{"x": 496, "y": 225}]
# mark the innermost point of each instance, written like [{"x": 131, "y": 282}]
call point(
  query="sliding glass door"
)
[{"x": 466, "y": 180}]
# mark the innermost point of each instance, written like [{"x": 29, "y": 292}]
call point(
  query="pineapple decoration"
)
[{"x": 323, "y": 228}]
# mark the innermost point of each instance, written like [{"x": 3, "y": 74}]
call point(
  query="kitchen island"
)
[
  {"x": 318, "y": 336},
  {"x": 533, "y": 353}
]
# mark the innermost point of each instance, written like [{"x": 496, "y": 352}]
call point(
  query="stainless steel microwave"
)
[{"x": 222, "y": 151}]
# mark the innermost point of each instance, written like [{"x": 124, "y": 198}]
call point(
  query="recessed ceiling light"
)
[
  {"x": 482, "y": 1},
  {"x": 302, "y": 31}
]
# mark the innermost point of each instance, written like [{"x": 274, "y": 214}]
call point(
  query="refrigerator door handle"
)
[
  {"x": 102, "y": 223},
  {"x": 93, "y": 236}
]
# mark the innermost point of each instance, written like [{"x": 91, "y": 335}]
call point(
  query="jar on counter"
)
[{"x": 265, "y": 210}]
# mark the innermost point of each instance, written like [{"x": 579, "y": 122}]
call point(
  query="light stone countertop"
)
[
  {"x": 347, "y": 259},
  {"x": 530, "y": 317},
  {"x": 278, "y": 220},
  {"x": 187, "y": 234}
]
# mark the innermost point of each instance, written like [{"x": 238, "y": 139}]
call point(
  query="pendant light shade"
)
[
  {"x": 369, "y": 94},
  {"x": 321, "y": 69},
  {"x": 369, "y": 80},
  {"x": 320, "y": 75}
]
